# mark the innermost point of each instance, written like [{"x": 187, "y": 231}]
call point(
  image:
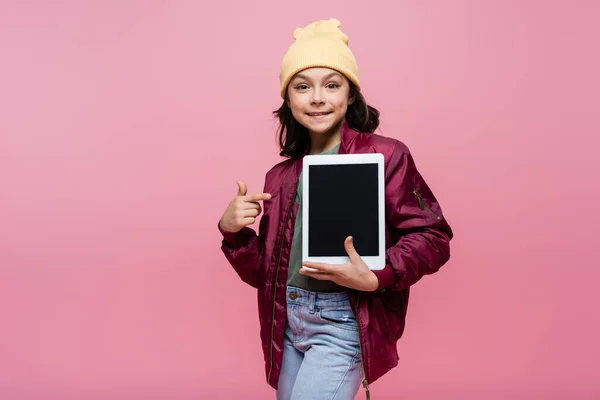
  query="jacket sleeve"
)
[
  {"x": 420, "y": 233},
  {"x": 244, "y": 250}
]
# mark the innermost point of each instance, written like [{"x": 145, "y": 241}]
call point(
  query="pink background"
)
[{"x": 116, "y": 120}]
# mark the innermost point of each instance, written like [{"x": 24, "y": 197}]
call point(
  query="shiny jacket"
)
[{"x": 417, "y": 243}]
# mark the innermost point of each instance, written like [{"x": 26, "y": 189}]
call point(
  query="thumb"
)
[
  {"x": 349, "y": 245},
  {"x": 242, "y": 189}
]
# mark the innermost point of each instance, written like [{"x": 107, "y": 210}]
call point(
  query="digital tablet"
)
[{"x": 343, "y": 195}]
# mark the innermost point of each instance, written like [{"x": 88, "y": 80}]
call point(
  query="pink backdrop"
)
[{"x": 116, "y": 121}]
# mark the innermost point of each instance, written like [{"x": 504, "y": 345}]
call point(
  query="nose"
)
[{"x": 317, "y": 97}]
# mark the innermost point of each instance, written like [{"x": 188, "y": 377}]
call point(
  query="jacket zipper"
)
[
  {"x": 422, "y": 205},
  {"x": 365, "y": 382},
  {"x": 275, "y": 287}
]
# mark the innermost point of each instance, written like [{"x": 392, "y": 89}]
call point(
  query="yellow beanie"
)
[{"x": 319, "y": 44}]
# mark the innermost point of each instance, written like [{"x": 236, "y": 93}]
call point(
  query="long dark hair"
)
[{"x": 294, "y": 139}]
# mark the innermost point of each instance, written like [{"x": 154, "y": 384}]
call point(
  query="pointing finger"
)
[{"x": 258, "y": 197}]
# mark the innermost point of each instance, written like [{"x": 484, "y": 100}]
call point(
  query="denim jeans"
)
[{"x": 321, "y": 358}]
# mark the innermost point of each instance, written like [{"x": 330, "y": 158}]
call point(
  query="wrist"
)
[
  {"x": 231, "y": 238},
  {"x": 225, "y": 229},
  {"x": 372, "y": 282}
]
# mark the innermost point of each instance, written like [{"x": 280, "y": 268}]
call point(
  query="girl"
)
[{"x": 325, "y": 331}]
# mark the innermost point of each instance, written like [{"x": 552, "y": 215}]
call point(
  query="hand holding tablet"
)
[
  {"x": 343, "y": 196},
  {"x": 354, "y": 274}
]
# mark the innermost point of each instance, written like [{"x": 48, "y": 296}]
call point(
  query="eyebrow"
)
[{"x": 302, "y": 76}]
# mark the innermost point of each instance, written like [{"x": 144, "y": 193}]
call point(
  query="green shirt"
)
[{"x": 294, "y": 276}]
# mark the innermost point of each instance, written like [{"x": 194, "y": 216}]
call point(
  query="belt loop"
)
[{"x": 311, "y": 302}]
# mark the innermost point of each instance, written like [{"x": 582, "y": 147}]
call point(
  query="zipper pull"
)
[
  {"x": 419, "y": 199},
  {"x": 422, "y": 204},
  {"x": 366, "y": 386}
]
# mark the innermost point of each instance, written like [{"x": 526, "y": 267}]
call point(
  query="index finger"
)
[{"x": 258, "y": 197}]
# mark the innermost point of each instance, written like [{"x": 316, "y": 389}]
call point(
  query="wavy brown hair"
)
[{"x": 294, "y": 139}]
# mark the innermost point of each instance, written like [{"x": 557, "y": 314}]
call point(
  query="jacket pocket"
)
[
  {"x": 391, "y": 314},
  {"x": 395, "y": 300}
]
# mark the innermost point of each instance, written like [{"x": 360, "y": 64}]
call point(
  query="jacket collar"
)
[{"x": 348, "y": 136}]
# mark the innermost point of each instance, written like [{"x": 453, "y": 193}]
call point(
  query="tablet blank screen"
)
[{"x": 343, "y": 201}]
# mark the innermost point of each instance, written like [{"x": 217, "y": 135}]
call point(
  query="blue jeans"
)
[{"x": 321, "y": 357}]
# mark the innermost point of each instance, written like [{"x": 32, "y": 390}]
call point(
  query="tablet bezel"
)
[{"x": 373, "y": 262}]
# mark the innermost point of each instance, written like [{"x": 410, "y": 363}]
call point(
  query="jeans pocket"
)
[{"x": 341, "y": 318}]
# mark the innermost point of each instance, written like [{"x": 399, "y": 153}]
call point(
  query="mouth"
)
[{"x": 318, "y": 114}]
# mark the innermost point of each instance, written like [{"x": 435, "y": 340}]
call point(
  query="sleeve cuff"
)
[
  {"x": 232, "y": 238},
  {"x": 385, "y": 276}
]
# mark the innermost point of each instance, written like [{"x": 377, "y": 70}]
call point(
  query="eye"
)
[
  {"x": 302, "y": 86},
  {"x": 333, "y": 85}
]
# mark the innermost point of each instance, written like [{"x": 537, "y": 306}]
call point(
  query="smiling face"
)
[{"x": 319, "y": 98}]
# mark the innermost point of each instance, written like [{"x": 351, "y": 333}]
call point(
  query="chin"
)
[
  {"x": 318, "y": 128},
  {"x": 321, "y": 127}
]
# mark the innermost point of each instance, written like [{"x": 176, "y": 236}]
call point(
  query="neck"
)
[{"x": 320, "y": 142}]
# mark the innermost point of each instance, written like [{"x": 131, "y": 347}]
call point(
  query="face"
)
[{"x": 319, "y": 98}]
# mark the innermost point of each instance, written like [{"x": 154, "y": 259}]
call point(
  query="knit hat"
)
[{"x": 319, "y": 44}]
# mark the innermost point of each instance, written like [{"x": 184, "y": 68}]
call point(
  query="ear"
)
[
  {"x": 351, "y": 98},
  {"x": 351, "y": 92}
]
